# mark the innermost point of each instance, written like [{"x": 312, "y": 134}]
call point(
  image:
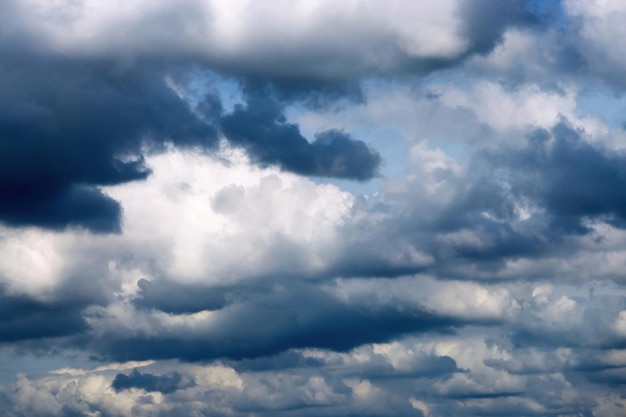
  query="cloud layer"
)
[{"x": 312, "y": 209}]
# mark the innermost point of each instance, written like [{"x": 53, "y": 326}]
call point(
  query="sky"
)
[{"x": 312, "y": 208}]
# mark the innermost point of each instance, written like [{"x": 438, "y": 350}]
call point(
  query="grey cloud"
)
[
  {"x": 419, "y": 366},
  {"x": 376, "y": 368},
  {"x": 284, "y": 360},
  {"x": 24, "y": 318},
  {"x": 71, "y": 125},
  {"x": 571, "y": 46},
  {"x": 568, "y": 176},
  {"x": 58, "y": 152},
  {"x": 188, "y": 298},
  {"x": 614, "y": 377},
  {"x": 277, "y": 321},
  {"x": 318, "y": 75},
  {"x": 591, "y": 326},
  {"x": 261, "y": 128},
  {"x": 486, "y": 21},
  {"x": 329, "y": 56},
  {"x": 164, "y": 384},
  {"x": 564, "y": 181}
]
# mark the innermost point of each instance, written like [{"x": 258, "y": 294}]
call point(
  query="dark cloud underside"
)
[
  {"x": 26, "y": 319},
  {"x": 164, "y": 384},
  {"x": 481, "y": 274},
  {"x": 261, "y": 128},
  {"x": 68, "y": 126},
  {"x": 275, "y": 322}
]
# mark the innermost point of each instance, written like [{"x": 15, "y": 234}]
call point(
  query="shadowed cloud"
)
[{"x": 261, "y": 128}]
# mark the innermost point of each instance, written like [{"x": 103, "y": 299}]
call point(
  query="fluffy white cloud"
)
[{"x": 217, "y": 221}]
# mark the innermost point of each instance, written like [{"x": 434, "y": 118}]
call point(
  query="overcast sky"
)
[{"x": 312, "y": 208}]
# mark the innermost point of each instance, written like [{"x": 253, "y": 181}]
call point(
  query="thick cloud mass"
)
[
  {"x": 572, "y": 179},
  {"x": 320, "y": 321},
  {"x": 262, "y": 128},
  {"x": 283, "y": 41},
  {"x": 24, "y": 318},
  {"x": 70, "y": 125},
  {"x": 164, "y": 384},
  {"x": 312, "y": 208}
]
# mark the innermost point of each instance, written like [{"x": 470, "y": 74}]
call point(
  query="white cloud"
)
[
  {"x": 31, "y": 260},
  {"x": 215, "y": 222},
  {"x": 179, "y": 225},
  {"x": 325, "y": 38},
  {"x": 463, "y": 300}
]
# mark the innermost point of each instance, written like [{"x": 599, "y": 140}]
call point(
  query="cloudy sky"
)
[{"x": 312, "y": 208}]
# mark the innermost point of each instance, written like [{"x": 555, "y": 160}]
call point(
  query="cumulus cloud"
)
[
  {"x": 311, "y": 208},
  {"x": 309, "y": 39},
  {"x": 79, "y": 125},
  {"x": 599, "y": 23},
  {"x": 261, "y": 128},
  {"x": 71, "y": 126}
]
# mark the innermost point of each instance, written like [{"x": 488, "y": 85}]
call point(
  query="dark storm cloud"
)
[
  {"x": 568, "y": 176},
  {"x": 614, "y": 377},
  {"x": 559, "y": 173},
  {"x": 465, "y": 395},
  {"x": 376, "y": 368},
  {"x": 72, "y": 205},
  {"x": 189, "y": 298},
  {"x": 283, "y": 360},
  {"x": 307, "y": 90},
  {"x": 68, "y": 126},
  {"x": 261, "y": 128},
  {"x": 71, "y": 125},
  {"x": 24, "y": 318},
  {"x": 563, "y": 179},
  {"x": 275, "y": 322},
  {"x": 164, "y": 384}
]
